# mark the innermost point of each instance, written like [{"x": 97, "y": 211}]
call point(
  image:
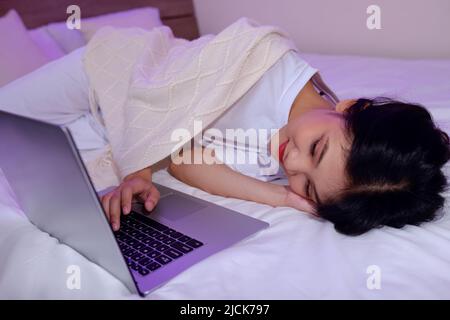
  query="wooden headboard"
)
[{"x": 177, "y": 14}]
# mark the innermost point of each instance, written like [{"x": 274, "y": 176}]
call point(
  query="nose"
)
[{"x": 298, "y": 162}]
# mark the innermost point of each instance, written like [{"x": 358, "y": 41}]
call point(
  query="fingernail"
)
[
  {"x": 115, "y": 227},
  {"x": 150, "y": 205},
  {"x": 125, "y": 210}
]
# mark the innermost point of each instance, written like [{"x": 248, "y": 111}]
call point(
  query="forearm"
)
[{"x": 218, "y": 179}]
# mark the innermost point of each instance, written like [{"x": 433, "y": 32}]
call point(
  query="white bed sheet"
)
[{"x": 298, "y": 257}]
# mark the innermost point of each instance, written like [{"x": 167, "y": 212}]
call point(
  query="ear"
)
[{"x": 344, "y": 104}]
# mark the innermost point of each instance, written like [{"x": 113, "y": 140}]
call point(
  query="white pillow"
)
[
  {"x": 146, "y": 18},
  {"x": 46, "y": 43},
  {"x": 69, "y": 40},
  {"x": 19, "y": 55}
]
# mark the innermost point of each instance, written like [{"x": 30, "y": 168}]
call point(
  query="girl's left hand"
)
[
  {"x": 120, "y": 199},
  {"x": 295, "y": 201}
]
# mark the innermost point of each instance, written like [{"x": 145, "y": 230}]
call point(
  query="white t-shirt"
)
[{"x": 260, "y": 113}]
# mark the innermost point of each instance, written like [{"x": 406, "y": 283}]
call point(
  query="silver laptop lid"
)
[{"x": 51, "y": 184}]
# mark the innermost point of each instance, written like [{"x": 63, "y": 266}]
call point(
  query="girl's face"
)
[{"x": 314, "y": 154}]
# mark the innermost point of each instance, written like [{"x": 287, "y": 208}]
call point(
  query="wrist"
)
[{"x": 145, "y": 173}]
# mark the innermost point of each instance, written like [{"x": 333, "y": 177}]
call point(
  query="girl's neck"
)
[{"x": 307, "y": 99}]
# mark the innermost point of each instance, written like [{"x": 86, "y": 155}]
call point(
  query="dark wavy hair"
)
[{"x": 394, "y": 168}]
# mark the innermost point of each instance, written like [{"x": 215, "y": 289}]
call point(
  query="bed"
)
[{"x": 298, "y": 257}]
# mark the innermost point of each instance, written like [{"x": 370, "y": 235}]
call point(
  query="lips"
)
[{"x": 281, "y": 150}]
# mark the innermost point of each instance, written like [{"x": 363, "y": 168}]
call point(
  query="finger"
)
[
  {"x": 115, "y": 211},
  {"x": 127, "y": 197},
  {"x": 309, "y": 207},
  {"x": 301, "y": 203},
  {"x": 105, "y": 203},
  {"x": 152, "y": 198},
  {"x": 305, "y": 205},
  {"x": 312, "y": 209}
]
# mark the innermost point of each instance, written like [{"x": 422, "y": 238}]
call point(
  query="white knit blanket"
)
[{"x": 149, "y": 83}]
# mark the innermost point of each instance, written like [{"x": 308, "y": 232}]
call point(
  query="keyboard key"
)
[
  {"x": 150, "y": 222},
  {"x": 153, "y": 254},
  {"x": 169, "y": 241},
  {"x": 181, "y": 247},
  {"x": 173, "y": 253},
  {"x": 194, "y": 243},
  {"x": 143, "y": 271},
  {"x": 133, "y": 233},
  {"x": 126, "y": 230},
  {"x": 153, "y": 266},
  {"x": 141, "y": 236},
  {"x": 123, "y": 246},
  {"x": 131, "y": 242},
  {"x": 145, "y": 250},
  {"x": 184, "y": 239},
  {"x": 147, "y": 240},
  {"x": 170, "y": 231},
  {"x": 123, "y": 249},
  {"x": 154, "y": 233},
  {"x": 154, "y": 244},
  {"x": 140, "y": 227},
  {"x": 127, "y": 238},
  {"x": 137, "y": 256},
  {"x": 148, "y": 230},
  {"x": 163, "y": 259},
  {"x": 176, "y": 235},
  {"x": 129, "y": 252},
  {"x": 134, "y": 266},
  {"x": 162, "y": 247},
  {"x": 132, "y": 222},
  {"x": 119, "y": 235},
  {"x": 156, "y": 225},
  {"x": 144, "y": 261},
  {"x": 162, "y": 237}
]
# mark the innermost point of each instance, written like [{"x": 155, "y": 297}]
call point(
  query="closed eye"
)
[
  {"x": 308, "y": 182},
  {"x": 307, "y": 188},
  {"x": 312, "y": 151},
  {"x": 313, "y": 147}
]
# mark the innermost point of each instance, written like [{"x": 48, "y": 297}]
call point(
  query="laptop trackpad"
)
[{"x": 174, "y": 207}]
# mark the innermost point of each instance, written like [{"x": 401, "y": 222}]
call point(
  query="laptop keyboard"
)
[{"x": 148, "y": 245}]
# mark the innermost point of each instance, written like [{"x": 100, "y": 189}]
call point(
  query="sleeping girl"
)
[{"x": 359, "y": 163}]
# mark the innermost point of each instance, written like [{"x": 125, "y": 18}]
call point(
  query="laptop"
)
[{"x": 45, "y": 170}]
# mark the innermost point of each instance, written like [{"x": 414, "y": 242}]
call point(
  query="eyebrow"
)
[{"x": 324, "y": 150}]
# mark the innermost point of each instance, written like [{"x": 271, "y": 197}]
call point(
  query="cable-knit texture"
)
[{"x": 149, "y": 83}]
